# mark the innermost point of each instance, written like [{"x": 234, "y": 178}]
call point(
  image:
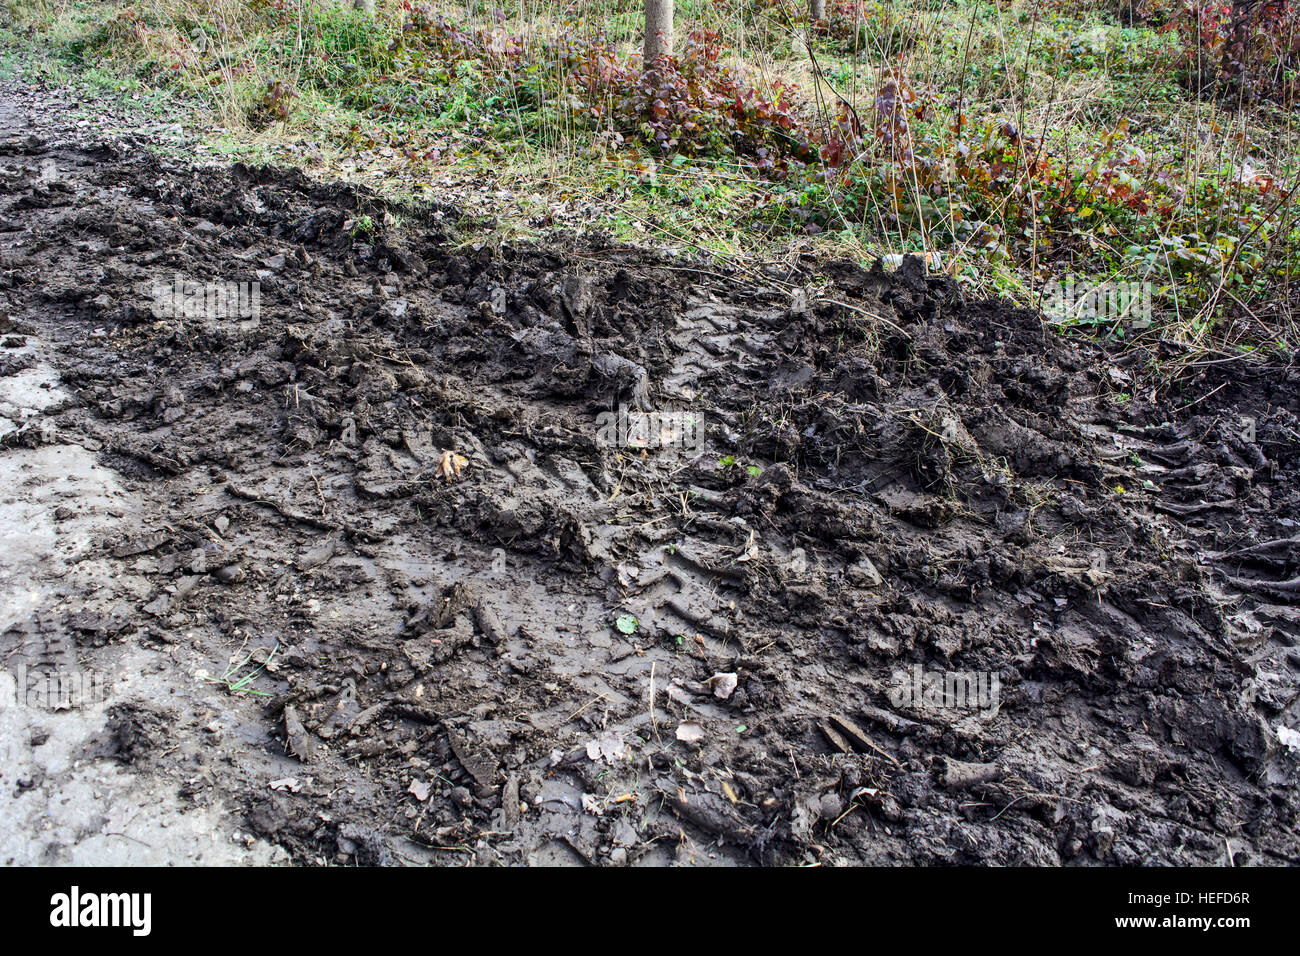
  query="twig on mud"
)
[
  {"x": 394, "y": 359},
  {"x": 584, "y": 707},
  {"x": 852, "y": 807},
  {"x": 418, "y": 841},
  {"x": 324, "y": 508},
  {"x": 654, "y": 723},
  {"x": 1201, "y": 399},
  {"x": 870, "y": 315},
  {"x": 882, "y": 752},
  {"x": 292, "y": 514},
  {"x": 127, "y": 836},
  {"x": 1008, "y": 806}
]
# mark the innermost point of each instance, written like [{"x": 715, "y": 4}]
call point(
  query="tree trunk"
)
[
  {"x": 658, "y": 29},
  {"x": 818, "y": 9}
]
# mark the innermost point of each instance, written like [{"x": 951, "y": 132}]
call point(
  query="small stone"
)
[
  {"x": 831, "y": 806},
  {"x": 230, "y": 574},
  {"x": 864, "y": 574}
]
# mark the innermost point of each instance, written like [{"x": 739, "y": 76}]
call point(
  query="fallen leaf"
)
[
  {"x": 689, "y": 732},
  {"x": 608, "y": 746},
  {"x": 723, "y": 685},
  {"x": 420, "y": 789},
  {"x": 677, "y": 692},
  {"x": 451, "y": 465}
]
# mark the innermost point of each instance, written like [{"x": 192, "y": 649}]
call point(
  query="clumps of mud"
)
[
  {"x": 974, "y": 595},
  {"x": 135, "y": 734}
]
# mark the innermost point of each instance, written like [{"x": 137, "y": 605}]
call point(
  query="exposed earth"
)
[{"x": 363, "y": 580}]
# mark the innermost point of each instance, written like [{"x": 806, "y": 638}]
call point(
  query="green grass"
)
[{"x": 240, "y": 674}]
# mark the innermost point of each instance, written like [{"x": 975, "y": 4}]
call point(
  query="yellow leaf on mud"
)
[{"x": 451, "y": 465}]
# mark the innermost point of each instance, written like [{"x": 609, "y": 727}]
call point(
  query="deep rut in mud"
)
[{"x": 491, "y": 635}]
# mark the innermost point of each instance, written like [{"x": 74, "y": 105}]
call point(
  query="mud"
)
[{"x": 476, "y": 631}]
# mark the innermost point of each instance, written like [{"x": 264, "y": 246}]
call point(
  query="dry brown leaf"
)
[{"x": 451, "y": 465}]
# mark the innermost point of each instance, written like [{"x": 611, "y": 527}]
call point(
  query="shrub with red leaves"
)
[
  {"x": 692, "y": 103},
  {"x": 1243, "y": 49}
]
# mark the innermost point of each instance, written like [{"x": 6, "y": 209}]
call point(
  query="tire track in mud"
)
[{"x": 388, "y": 495}]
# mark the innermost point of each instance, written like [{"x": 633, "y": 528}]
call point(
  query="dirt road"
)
[{"x": 361, "y": 542}]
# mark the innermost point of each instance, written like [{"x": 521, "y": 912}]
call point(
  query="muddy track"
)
[{"x": 492, "y": 635}]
